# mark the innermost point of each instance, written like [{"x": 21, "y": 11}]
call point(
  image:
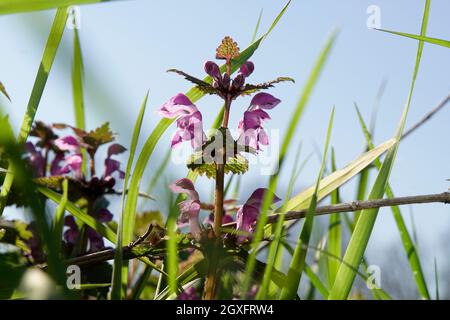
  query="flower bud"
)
[
  {"x": 247, "y": 69},
  {"x": 212, "y": 69}
]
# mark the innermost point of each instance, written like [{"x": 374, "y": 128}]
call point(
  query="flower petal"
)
[
  {"x": 264, "y": 101},
  {"x": 186, "y": 186},
  {"x": 247, "y": 69},
  {"x": 176, "y": 106},
  {"x": 67, "y": 143},
  {"x": 116, "y": 149},
  {"x": 212, "y": 69}
]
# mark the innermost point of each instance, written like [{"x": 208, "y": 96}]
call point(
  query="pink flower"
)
[
  {"x": 36, "y": 159},
  {"x": 112, "y": 165},
  {"x": 67, "y": 143},
  {"x": 189, "y": 123},
  {"x": 247, "y": 69},
  {"x": 247, "y": 215},
  {"x": 212, "y": 69},
  {"x": 264, "y": 100},
  {"x": 189, "y": 209},
  {"x": 251, "y": 128}
]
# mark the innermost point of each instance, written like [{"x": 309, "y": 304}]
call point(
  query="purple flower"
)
[
  {"x": 247, "y": 69},
  {"x": 264, "y": 100},
  {"x": 225, "y": 219},
  {"x": 189, "y": 294},
  {"x": 67, "y": 143},
  {"x": 251, "y": 128},
  {"x": 212, "y": 69},
  {"x": 96, "y": 242},
  {"x": 189, "y": 123},
  {"x": 112, "y": 165},
  {"x": 248, "y": 214},
  {"x": 189, "y": 209},
  {"x": 36, "y": 159}
]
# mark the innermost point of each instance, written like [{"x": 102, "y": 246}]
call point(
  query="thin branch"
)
[
  {"x": 427, "y": 116},
  {"x": 369, "y": 204}
]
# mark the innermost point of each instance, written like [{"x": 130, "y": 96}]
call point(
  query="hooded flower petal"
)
[
  {"x": 72, "y": 163},
  {"x": 212, "y": 69},
  {"x": 116, "y": 149},
  {"x": 185, "y": 186},
  {"x": 247, "y": 215},
  {"x": 189, "y": 209},
  {"x": 254, "y": 119},
  {"x": 264, "y": 100},
  {"x": 177, "y": 106},
  {"x": 112, "y": 166},
  {"x": 67, "y": 143},
  {"x": 36, "y": 159},
  {"x": 247, "y": 69},
  {"x": 103, "y": 215}
]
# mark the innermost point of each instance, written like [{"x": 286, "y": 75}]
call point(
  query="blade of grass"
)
[
  {"x": 334, "y": 232},
  {"x": 274, "y": 250},
  {"x": 77, "y": 90},
  {"x": 118, "y": 261},
  {"x": 439, "y": 42},
  {"x": 48, "y": 57},
  {"x": 58, "y": 225},
  {"x": 18, "y": 6},
  {"x": 298, "y": 261},
  {"x": 436, "y": 278},
  {"x": 363, "y": 229},
  {"x": 255, "y": 33},
  {"x": 407, "y": 241},
  {"x": 268, "y": 197}
]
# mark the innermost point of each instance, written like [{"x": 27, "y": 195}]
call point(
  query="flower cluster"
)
[{"x": 54, "y": 158}]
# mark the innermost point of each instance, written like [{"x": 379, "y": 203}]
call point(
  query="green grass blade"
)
[
  {"x": 77, "y": 82},
  {"x": 54, "y": 38},
  {"x": 298, "y": 261},
  {"x": 118, "y": 258},
  {"x": 59, "y": 214},
  {"x": 316, "y": 281},
  {"x": 274, "y": 249},
  {"x": 439, "y": 42},
  {"x": 255, "y": 33},
  {"x": 363, "y": 229},
  {"x": 334, "y": 232},
  {"x": 304, "y": 98},
  {"x": 436, "y": 278},
  {"x": 407, "y": 239},
  {"x": 77, "y": 90},
  {"x": 102, "y": 229},
  {"x": 18, "y": 6}
]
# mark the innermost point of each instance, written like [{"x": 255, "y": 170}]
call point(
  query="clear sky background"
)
[{"x": 128, "y": 45}]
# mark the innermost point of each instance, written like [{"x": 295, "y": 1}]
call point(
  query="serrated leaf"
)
[
  {"x": 251, "y": 88},
  {"x": 236, "y": 165},
  {"x": 101, "y": 135},
  {"x": 203, "y": 86},
  {"x": 227, "y": 50},
  {"x": 3, "y": 90}
]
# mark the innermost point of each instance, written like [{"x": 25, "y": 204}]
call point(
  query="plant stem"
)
[{"x": 212, "y": 280}]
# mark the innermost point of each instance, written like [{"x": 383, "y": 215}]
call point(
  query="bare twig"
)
[
  {"x": 427, "y": 116},
  {"x": 369, "y": 204}
]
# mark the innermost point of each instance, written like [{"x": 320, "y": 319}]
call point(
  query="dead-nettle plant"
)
[{"x": 221, "y": 153}]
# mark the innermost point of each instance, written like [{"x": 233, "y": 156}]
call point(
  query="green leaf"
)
[
  {"x": 102, "y": 229},
  {"x": 18, "y": 6},
  {"x": 407, "y": 241},
  {"x": 439, "y": 42},
  {"x": 334, "y": 233},
  {"x": 301, "y": 249},
  {"x": 58, "y": 224},
  {"x": 3, "y": 90},
  {"x": 54, "y": 38},
  {"x": 364, "y": 226},
  {"x": 77, "y": 82},
  {"x": 118, "y": 270}
]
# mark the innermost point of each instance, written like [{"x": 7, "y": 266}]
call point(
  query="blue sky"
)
[{"x": 128, "y": 45}]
